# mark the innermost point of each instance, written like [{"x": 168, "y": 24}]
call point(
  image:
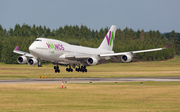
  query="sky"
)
[{"x": 162, "y": 15}]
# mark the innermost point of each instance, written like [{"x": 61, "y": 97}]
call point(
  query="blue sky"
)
[{"x": 162, "y": 15}]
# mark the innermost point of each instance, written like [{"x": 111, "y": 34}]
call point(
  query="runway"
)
[{"x": 87, "y": 80}]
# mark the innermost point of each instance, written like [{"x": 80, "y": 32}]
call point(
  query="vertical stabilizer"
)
[{"x": 107, "y": 43}]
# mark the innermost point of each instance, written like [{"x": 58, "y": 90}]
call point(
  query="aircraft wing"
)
[
  {"x": 75, "y": 56},
  {"x": 134, "y": 52},
  {"x": 22, "y": 52}
]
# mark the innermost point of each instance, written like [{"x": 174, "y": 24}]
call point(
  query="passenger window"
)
[{"x": 38, "y": 40}]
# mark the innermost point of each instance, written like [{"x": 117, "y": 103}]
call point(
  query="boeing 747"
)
[{"x": 73, "y": 56}]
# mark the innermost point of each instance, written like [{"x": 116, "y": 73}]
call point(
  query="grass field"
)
[
  {"x": 98, "y": 97},
  {"x": 135, "y": 69}
]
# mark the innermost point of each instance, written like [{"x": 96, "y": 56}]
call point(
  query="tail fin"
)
[{"x": 107, "y": 43}]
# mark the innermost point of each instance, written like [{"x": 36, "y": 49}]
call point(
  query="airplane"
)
[{"x": 73, "y": 56}]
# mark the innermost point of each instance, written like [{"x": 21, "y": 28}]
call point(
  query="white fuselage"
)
[
  {"x": 55, "y": 50},
  {"x": 64, "y": 54}
]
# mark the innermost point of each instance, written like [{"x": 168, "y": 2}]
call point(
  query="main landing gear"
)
[
  {"x": 56, "y": 68},
  {"x": 69, "y": 69},
  {"x": 81, "y": 69}
]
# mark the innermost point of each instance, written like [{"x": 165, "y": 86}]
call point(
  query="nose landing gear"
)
[{"x": 39, "y": 63}]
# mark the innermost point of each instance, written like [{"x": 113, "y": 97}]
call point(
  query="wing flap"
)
[
  {"x": 83, "y": 56},
  {"x": 114, "y": 54},
  {"x": 75, "y": 56}
]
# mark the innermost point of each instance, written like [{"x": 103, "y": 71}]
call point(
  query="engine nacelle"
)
[
  {"x": 126, "y": 58},
  {"x": 32, "y": 62},
  {"x": 92, "y": 61},
  {"x": 22, "y": 59}
]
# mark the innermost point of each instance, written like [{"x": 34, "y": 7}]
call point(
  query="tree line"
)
[{"x": 125, "y": 40}]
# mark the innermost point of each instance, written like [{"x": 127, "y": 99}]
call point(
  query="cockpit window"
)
[{"x": 38, "y": 40}]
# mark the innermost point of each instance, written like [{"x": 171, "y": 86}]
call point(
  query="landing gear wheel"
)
[
  {"x": 78, "y": 69},
  {"x": 56, "y": 68},
  {"x": 56, "y": 71},
  {"x": 82, "y": 69},
  {"x": 69, "y": 69},
  {"x": 39, "y": 63}
]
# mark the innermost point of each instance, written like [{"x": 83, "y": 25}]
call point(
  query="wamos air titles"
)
[{"x": 72, "y": 56}]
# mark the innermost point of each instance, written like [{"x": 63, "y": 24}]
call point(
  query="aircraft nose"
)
[{"x": 32, "y": 48}]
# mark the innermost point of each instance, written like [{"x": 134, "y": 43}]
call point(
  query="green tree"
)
[
  {"x": 174, "y": 40},
  {"x": 142, "y": 35},
  {"x": 1, "y": 46}
]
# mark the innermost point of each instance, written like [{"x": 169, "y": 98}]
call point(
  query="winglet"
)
[
  {"x": 168, "y": 46},
  {"x": 16, "y": 49}
]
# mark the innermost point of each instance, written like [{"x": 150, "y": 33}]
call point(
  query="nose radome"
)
[{"x": 31, "y": 48}]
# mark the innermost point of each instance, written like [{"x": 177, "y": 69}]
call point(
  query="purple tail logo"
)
[{"x": 110, "y": 39}]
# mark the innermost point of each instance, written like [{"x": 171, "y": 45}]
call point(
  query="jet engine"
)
[
  {"x": 126, "y": 58},
  {"x": 92, "y": 61},
  {"x": 22, "y": 59},
  {"x": 32, "y": 62}
]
